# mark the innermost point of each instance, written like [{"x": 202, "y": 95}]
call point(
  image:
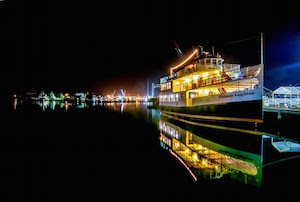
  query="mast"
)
[
  {"x": 262, "y": 89},
  {"x": 262, "y": 69},
  {"x": 178, "y": 51}
]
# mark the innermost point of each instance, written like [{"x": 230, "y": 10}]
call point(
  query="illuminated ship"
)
[{"x": 204, "y": 87}]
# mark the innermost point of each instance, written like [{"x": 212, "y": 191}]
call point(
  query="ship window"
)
[
  {"x": 169, "y": 85},
  {"x": 208, "y": 62},
  {"x": 165, "y": 98},
  {"x": 166, "y": 86},
  {"x": 176, "y": 134},
  {"x": 214, "y": 62},
  {"x": 294, "y": 96},
  {"x": 219, "y": 62},
  {"x": 172, "y": 98},
  {"x": 192, "y": 95}
]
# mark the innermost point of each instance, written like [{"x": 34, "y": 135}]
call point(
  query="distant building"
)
[
  {"x": 267, "y": 92},
  {"x": 288, "y": 92},
  {"x": 285, "y": 96}
]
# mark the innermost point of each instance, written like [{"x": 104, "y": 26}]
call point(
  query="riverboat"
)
[{"x": 205, "y": 87}]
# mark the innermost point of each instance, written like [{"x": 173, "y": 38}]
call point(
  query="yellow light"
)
[
  {"x": 187, "y": 80},
  {"x": 186, "y": 151},
  {"x": 217, "y": 71},
  {"x": 195, "y": 156},
  {"x": 175, "y": 67},
  {"x": 204, "y": 74},
  {"x": 206, "y": 91},
  {"x": 203, "y": 162},
  {"x": 177, "y": 83},
  {"x": 189, "y": 66},
  {"x": 195, "y": 77}
]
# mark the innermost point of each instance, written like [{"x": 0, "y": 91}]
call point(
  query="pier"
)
[{"x": 282, "y": 112}]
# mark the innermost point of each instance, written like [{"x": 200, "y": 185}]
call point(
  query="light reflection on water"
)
[
  {"x": 205, "y": 152},
  {"x": 206, "y": 158},
  {"x": 65, "y": 105},
  {"x": 212, "y": 153}
]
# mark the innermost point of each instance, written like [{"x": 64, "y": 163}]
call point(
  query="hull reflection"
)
[
  {"x": 214, "y": 152},
  {"x": 207, "y": 158}
]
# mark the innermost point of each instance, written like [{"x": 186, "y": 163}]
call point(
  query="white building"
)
[{"x": 285, "y": 96}]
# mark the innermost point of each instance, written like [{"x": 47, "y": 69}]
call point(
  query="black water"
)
[{"x": 99, "y": 152}]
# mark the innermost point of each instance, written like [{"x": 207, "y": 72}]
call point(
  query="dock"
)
[{"x": 282, "y": 112}]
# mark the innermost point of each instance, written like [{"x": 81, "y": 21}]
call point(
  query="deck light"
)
[
  {"x": 195, "y": 156},
  {"x": 186, "y": 151},
  {"x": 195, "y": 77}
]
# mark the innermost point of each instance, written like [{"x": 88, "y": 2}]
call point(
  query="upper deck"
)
[
  {"x": 202, "y": 63},
  {"x": 199, "y": 71}
]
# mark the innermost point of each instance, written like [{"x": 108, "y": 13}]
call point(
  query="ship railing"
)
[
  {"x": 248, "y": 72},
  {"x": 184, "y": 72},
  {"x": 226, "y": 71},
  {"x": 228, "y": 74},
  {"x": 236, "y": 85},
  {"x": 281, "y": 102}
]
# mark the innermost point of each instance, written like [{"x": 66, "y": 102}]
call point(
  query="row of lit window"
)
[
  {"x": 286, "y": 96},
  {"x": 211, "y": 61},
  {"x": 166, "y": 86},
  {"x": 169, "y": 98}
]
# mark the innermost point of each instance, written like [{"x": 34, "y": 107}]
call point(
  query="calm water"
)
[{"x": 68, "y": 151}]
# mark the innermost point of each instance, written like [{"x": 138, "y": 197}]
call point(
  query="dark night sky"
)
[{"x": 79, "y": 45}]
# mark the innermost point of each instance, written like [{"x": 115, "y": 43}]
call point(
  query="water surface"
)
[{"x": 90, "y": 150}]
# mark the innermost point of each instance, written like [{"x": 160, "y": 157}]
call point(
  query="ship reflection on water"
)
[
  {"x": 209, "y": 159},
  {"x": 213, "y": 153},
  {"x": 209, "y": 153}
]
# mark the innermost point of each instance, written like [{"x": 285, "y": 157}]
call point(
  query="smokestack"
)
[{"x": 213, "y": 50}]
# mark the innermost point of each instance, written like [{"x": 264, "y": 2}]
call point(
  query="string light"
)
[{"x": 175, "y": 67}]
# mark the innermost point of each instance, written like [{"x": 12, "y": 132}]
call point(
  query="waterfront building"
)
[{"x": 284, "y": 97}]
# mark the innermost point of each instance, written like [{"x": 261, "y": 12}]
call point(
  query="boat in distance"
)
[{"x": 204, "y": 87}]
